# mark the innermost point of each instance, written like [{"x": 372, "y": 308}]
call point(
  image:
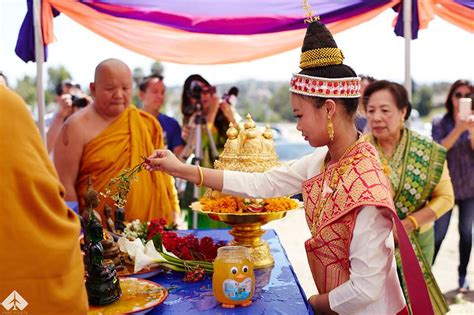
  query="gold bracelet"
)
[
  {"x": 413, "y": 221},
  {"x": 201, "y": 176}
]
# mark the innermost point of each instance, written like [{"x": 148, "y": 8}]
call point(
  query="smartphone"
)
[{"x": 465, "y": 108}]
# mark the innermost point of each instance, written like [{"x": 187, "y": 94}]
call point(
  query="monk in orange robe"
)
[
  {"x": 103, "y": 139},
  {"x": 41, "y": 270}
]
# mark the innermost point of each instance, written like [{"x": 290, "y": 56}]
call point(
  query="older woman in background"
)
[
  {"x": 418, "y": 173},
  {"x": 457, "y": 136}
]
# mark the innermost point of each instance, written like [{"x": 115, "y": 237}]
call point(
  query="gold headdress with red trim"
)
[{"x": 320, "y": 50}]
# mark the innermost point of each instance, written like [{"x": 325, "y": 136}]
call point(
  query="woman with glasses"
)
[
  {"x": 418, "y": 174},
  {"x": 457, "y": 136}
]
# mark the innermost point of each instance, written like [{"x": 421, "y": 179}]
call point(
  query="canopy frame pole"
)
[
  {"x": 39, "y": 53},
  {"x": 407, "y": 19}
]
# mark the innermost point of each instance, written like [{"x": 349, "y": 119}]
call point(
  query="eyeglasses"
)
[{"x": 459, "y": 95}]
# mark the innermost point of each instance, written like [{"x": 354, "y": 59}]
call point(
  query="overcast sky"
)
[{"x": 443, "y": 52}]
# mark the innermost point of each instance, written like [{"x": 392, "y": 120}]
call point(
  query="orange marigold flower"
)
[
  {"x": 280, "y": 204},
  {"x": 221, "y": 205}
]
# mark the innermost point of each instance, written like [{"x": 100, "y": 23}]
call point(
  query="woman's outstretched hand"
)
[{"x": 164, "y": 161}]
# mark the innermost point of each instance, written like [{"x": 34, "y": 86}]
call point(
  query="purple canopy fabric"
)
[
  {"x": 415, "y": 22},
  {"x": 237, "y": 17},
  {"x": 467, "y": 3},
  {"x": 242, "y": 17},
  {"x": 25, "y": 45}
]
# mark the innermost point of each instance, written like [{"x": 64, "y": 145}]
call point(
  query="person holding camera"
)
[
  {"x": 69, "y": 98},
  {"x": 152, "y": 94},
  {"x": 200, "y": 97},
  {"x": 455, "y": 132},
  {"x": 202, "y": 108}
]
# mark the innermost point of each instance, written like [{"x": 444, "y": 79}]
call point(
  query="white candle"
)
[{"x": 465, "y": 107}]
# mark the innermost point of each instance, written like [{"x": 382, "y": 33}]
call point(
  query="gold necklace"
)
[
  {"x": 339, "y": 170},
  {"x": 385, "y": 162},
  {"x": 344, "y": 163}
]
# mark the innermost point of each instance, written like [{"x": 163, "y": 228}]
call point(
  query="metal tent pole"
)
[
  {"x": 407, "y": 17},
  {"x": 39, "y": 52}
]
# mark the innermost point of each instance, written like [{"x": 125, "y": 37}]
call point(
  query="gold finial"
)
[
  {"x": 310, "y": 15},
  {"x": 252, "y": 133},
  {"x": 268, "y": 133},
  {"x": 232, "y": 133},
  {"x": 249, "y": 123}
]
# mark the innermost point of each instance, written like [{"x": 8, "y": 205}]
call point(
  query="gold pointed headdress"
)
[{"x": 320, "y": 50}]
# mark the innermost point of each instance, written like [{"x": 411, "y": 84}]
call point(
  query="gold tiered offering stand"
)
[
  {"x": 247, "y": 231},
  {"x": 248, "y": 151}
]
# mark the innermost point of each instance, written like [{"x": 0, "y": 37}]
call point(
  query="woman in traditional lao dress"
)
[
  {"x": 347, "y": 198},
  {"x": 417, "y": 169}
]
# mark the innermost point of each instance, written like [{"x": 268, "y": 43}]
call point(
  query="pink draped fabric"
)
[{"x": 169, "y": 44}]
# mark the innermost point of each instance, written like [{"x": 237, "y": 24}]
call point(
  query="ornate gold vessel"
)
[
  {"x": 247, "y": 231},
  {"x": 249, "y": 151}
]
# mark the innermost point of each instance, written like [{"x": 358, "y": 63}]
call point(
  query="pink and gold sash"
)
[{"x": 332, "y": 201}]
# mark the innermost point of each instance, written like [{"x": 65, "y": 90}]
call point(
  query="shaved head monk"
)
[
  {"x": 110, "y": 135},
  {"x": 41, "y": 270}
]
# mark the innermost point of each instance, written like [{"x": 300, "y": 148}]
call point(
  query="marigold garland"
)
[
  {"x": 280, "y": 204},
  {"x": 229, "y": 204}
]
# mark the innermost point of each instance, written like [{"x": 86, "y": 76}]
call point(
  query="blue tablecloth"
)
[{"x": 277, "y": 289}]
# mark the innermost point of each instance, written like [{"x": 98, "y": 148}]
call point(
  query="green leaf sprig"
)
[{"x": 118, "y": 187}]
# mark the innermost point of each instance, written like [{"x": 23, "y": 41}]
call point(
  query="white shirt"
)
[{"x": 373, "y": 286}]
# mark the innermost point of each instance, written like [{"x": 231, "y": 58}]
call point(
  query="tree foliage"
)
[
  {"x": 423, "y": 100},
  {"x": 56, "y": 75},
  {"x": 26, "y": 88},
  {"x": 280, "y": 103},
  {"x": 157, "y": 68}
]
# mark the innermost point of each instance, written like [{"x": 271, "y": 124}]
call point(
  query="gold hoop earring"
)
[
  {"x": 330, "y": 128},
  {"x": 402, "y": 124}
]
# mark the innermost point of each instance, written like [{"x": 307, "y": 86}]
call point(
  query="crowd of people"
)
[{"x": 378, "y": 196}]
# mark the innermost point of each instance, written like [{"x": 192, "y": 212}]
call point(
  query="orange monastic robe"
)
[
  {"x": 121, "y": 145},
  {"x": 357, "y": 180},
  {"x": 39, "y": 247}
]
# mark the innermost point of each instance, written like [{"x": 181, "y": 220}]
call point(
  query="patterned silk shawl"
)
[
  {"x": 414, "y": 170},
  {"x": 332, "y": 201}
]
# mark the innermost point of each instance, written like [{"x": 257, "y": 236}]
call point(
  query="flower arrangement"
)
[
  {"x": 223, "y": 205},
  {"x": 229, "y": 204},
  {"x": 280, "y": 204},
  {"x": 155, "y": 243}
]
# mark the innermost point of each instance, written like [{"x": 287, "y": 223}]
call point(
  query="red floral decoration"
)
[{"x": 187, "y": 247}]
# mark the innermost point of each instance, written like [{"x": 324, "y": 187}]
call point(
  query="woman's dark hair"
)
[
  {"x": 220, "y": 122},
  {"x": 4, "y": 77},
  {"x": 367, "y": 77},
  {"x": 333, "y": 72},
  {"x": 186, "y": 96},
  {"x": 319, "y": 37},
  {"x": 398, "y": 92},
  {"x": 449, "y": 99},
  {"x": 144, "y": 83}
]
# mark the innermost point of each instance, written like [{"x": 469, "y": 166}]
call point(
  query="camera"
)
[
  {"x": 79, "y": 102},
  {"x": 231, "y": 96},
  {"x": 196, "y": 89}
]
